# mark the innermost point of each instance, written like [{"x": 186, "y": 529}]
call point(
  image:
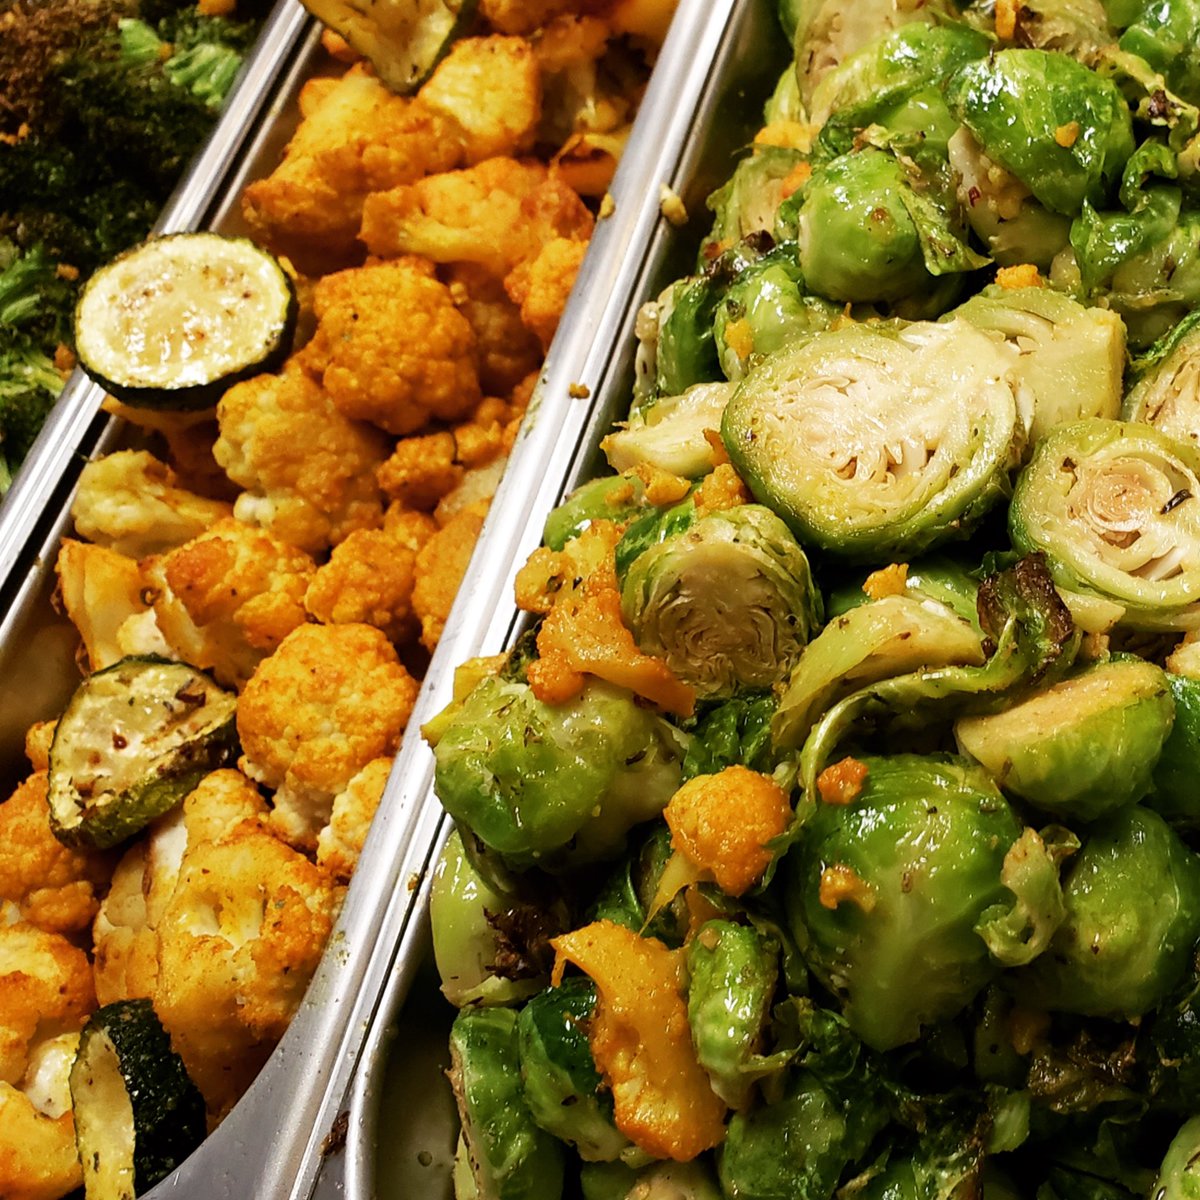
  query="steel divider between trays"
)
[{"x": 737, "y": 32}]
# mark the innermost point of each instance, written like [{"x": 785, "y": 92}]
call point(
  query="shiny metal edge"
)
[
  {"x": 70, "y": 433},
  {"x": 691, "y": 88}
]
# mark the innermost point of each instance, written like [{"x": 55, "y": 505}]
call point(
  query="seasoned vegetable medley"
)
[{"x": 832, "y": 828}]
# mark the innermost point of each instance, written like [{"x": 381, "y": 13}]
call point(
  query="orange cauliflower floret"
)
[
  {"x": 441, "y": 565},
  {"x": 411, "y": 529},
  {"x": 53, "y": 887},
  {"x": 308, "y": 471},
  {"x": 327, "y": 702},
  {"x": 391, "y": 348},
  {"x": 491, "y": 89},
  {"x": 495, "y": 214},
  {"x": 368, "y": 579},
  {"x": 131, "y": 503},
  {"x": 341, "y": 841},
  {"x": 238, "y": 943},
  {"x": 541, "y": 286},
  {"x": 38, "y": 1157},
  {"x": 505, "y": 351},
  {"x": 421, "y": 470},
  {"x": 356, "y": 137},
  {"x": 226, "y": 599}
]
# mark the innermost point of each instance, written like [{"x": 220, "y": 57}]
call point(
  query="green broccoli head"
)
[{"x": 29, "y": 386}]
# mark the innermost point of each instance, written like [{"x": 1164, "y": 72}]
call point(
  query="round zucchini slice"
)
[
  {"x": 134, "y": 740},
  {"x": 138, "y": 1115},
  {"x": 176, "y": 320}
]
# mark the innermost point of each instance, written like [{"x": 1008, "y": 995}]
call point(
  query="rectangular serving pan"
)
[
  {"x": 273, "y": 1144},
  {"x": 402, "y": 1127}
]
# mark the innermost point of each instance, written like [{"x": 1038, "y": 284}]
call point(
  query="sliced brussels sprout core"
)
[
  {"x": 1083, "y": 748},
  {"x": 877, "y": 442},
  {"x": 1126, "y": 942},
  {"x": 510, "y": 1156},
  {"x": 1070, "y": 358},
  {"x": 1112, "y": 504},
  {"x": 1062, "y": 129},
  {"x": 1167, "y": 392},
  {"x": 729, "y": 602},
  {"x": 885, "y": 892},
  {"x": 671, "y": 433}
]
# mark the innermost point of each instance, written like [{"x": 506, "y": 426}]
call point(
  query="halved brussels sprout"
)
[
  {"x": 937, "y": 577},
  {"x": 1167, "y": 36},
  {"x": 1062, "y": 129},
  {"x": 1075, "y": 27},
  {"x": 877, "y": 441},
  {"x": 747, "y": 202},
  {"x": 1179, "y": 1175},
  {"x": 1083, "y": 748},
  {"x": 1167, "y": 392},
  {"x": 885, "y": 892},
  {"x": 670, "y": 432},
  {"x": 1071, "y": 358},
  {"x": 529, "y": 779},
  {"x": 609, "y": 498},
  {"x": 509, "y": 1155},
  {"x": 1133, "y": 915},
  {"x": 1112, "y": 504},
  {"x": 729, "y": 602},
  {"x": 1176, "y": 794}
]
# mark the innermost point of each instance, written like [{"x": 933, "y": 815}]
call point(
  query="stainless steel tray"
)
[
  {"x": 704, "y": 104},
  {"x": 273, "y": 1144}
]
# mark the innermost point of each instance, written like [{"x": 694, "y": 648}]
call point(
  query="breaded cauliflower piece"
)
[
  {"x": 505, "y": 351},
  {"x": 441, "y": 565},
  {"x": 391, "y": 348},
  {"x": 490, "y": 87},
  {"x": 541, "y": 286},
  {"x": 409, "y": 528},
  {"x": 341, "y": 841},
  {"x": 131, "y": 503},
  {"x": 368, "y": 580},
  {"x": 522, "y": 16},
  {"x": 308, "y": 471},
  {"x": 226, "y": 599},
  {"x": 329, "y": 700},
  {"x": 356, "y": 137},
  {"x": 38, "y": 1158},
  {"x": 238, "y": 943},
  {"x": 495, "y": 214},
  {"x": 45, "y": 990},
  {"x": 421, "y": 470},
  {"x": 54, "y": 887}
]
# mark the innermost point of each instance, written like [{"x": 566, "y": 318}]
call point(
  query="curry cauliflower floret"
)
[
  {"x": 441, "y": 565},
  {"x": 542, "y": 285},
  {"x": 39, "y": 737},
  {"x": 131, "y": 503},
  {"x": 421, "y": 470},
  {"x": 238, "y": 944},
  {"x": 327, "y": 702},
  {"x": 45, "y": 990},
  {"x": 411, "y": 529},
  {"x": 38, "y": 1158},
  {"x": 341, "y": 841},
  {"x": 495, "y": 214},
  {"x": 505, "y": 351},
  {"x": 308, "y": 471},
  {"x": 355, "y": 137},
  {"x": 368, "y": 580},
  {"x": 492, "y": 89},
  {"x": 391, "y": 348},
  {"x": 226, "y": 599},
  {"x": 522, "y": 16},
  {"x": 53, "y": 887}
]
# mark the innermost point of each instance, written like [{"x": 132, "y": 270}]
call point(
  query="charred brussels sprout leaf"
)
[
  {"x": 729, "y": 602},
  {"x": 1124, "y": 945},
  {"x": 529, "y": 779},
  {"x": 1113, "y": 507},
  {"x": 1060, "y": 128},
  {"x": 878, "y": 442},
  {"x": 885, "y": 893}
]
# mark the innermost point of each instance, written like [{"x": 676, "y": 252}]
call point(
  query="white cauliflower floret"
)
[
  {"x": 308, "y": 471},
  {"x": 226, "y": 599},
  {"x": 341, "y": 841},
  {"x": 327, "y": 702},
  {"x": 131, "y": 503}
]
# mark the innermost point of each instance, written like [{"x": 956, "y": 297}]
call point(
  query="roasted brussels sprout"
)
[
  {"x": 1083, "y": 748},
  {"x": 1126, "y": 943},
  {"x": 669, "y": 433},
  {"x": 661, "y": 1181},
  {"x": 1176, "y": 793},
  {"x": 627, "y": 896},
  {"x": 609, "y": 498},
  {"x": 687, "y": 354},
  {"x": 1166, "y": 34},
  {"x": 1071, "y": 358},
  {"x": 1075, "y": 27},
  {"x": 1179, "y": 1175},
  {"x": 1111, "y": 505},
  {"x": 875, "y": 441},
  {"x": 509, "y": 1155},
  {"x": 734, "y": 732},
  {"x": 729, "y": 602},
  {"x": 746, "y": 204},
  {"x": 1064, "y": 131},
  {"x": 885, "y": 892},
  {"x": 1167, "y": 392},
  {"x": 529, "y": 779}
]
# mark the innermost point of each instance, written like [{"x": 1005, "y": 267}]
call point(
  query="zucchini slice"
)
[
  {"x": 176, "y": 320},
  {"x": 134, "y": 740},
  {"x": 138, "y": 1115},
  {"x": 403, "y": 39}
]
